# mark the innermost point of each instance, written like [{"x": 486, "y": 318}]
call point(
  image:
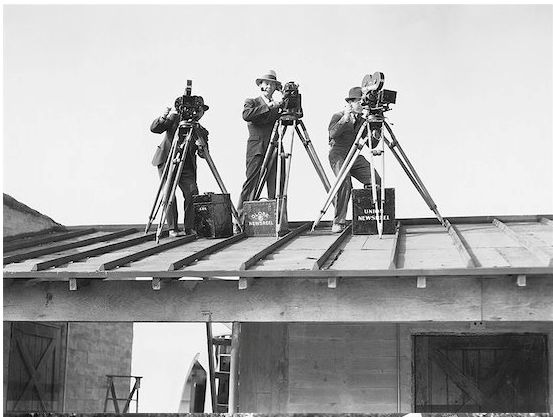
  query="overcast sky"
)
[{"x": 83, "y": 83}]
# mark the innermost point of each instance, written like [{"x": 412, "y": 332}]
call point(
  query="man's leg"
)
[
  {"x": 342, "y": 196},
  {"x": 189, "y": 189},
  {"x": 253, "y": 167},
  {"x": 172, "y": 215},
  {"x": 361, "y": 171}
]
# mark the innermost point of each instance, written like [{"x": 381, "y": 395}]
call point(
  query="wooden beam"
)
[
  {"x": 72, "y": 284},
  {"x": 130, "y": 274},
  {"x": 95, "y": 252},
  {"x": 421, "y": 282},
  {"x": 271, "y": 248},
  {"x": 66, "y": 246},
  {"x": 534, "y": 250},
  {"x": 469, "y": 260},
  {"x": 19, "y": 236},
  {"x": 521, "y": 280},
  {"x": 282, "y": 300},
  {"x": 395, "y": 247},
  {"x": 156, "y": 284},
  {"x": 332, "y": 248},
  {"x": 234, "y": 368},
  {"x": 41, "y": 240},
  {"x": 545, "y": 220},
  {"x": 206, "y": 251},
  {"x": 133, "y": 257}
]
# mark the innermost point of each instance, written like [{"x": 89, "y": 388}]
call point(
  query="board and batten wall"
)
[{"x": 343, "y": 367}]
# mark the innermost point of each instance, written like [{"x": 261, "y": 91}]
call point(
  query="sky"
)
[{"x": 82, "y": 83}]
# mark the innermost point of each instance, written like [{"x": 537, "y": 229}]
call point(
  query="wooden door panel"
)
[
  {"x": 35, "y": 377},
  {"x": 467, "y": 373}
]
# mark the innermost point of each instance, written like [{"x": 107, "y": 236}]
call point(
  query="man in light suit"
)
[
  {"x": 261, "y": 114},
  {"x": 168, "y": 123},
  {"x": 342, "y": 132}
]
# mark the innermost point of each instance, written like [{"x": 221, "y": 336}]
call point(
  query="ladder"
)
[
  {"x": 112, "y": 395},
  {"x": 221, "y": 345}
]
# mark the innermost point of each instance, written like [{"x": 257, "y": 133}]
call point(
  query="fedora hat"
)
[
  {"x": 354, "y": 93},
  {"x": 269, "y": 76}
]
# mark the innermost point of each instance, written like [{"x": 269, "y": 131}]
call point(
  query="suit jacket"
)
[
  {"x": 341, "y": 135},
  {"x": 169, "y": 125},
  {"x": 261, "y": 120}
]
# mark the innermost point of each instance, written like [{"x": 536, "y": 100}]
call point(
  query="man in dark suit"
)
[
  {"x": 342, "y": 132},
  {"x": 169, "y": 123},
  {"x": 260, "y": 113}
]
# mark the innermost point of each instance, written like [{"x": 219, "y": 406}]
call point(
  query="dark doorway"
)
[
  {"x": 491, "y": 373},
  {"x": 35, "y": 369}
]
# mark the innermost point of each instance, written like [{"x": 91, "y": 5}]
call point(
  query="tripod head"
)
[{"x": 190, "y": 108}]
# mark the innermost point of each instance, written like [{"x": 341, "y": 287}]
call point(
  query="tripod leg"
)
[
  {"x": 412, "y": 174},
  {"x": 267, "y": 162},
  {"x": 354, "y": 151},
  {"x": 157, "y": 200},
  {"x": 279, "y": 176},
  {"x": 218, "y": 178},
  {"x": 175, "y": 180},
  {"x": 379, "y": 211},
  {"x": 284, "y": 197},
  {"x": 304, "y": 137}
]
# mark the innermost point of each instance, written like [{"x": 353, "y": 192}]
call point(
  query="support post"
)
[
  {"x": 234, "y": 367},
  {"x": 211, "y": 367}
]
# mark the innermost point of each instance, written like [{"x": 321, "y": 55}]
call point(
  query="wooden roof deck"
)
[{"x": 501, "y": 245}]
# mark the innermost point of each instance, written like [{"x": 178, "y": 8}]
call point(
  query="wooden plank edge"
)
[
  {"x": 95, "y": 252},
  {"x": 470, "y": 262},
  {"x": 41, "y": 240},
  {"x": 181, "y": 263},
  {"x": 66, "y": 246},
  {"x": 133, "y": 257},
  {"x": 332, "y": 248},
  {"x": 395, "y": 247},
  {"x": 274, "y": 246}
]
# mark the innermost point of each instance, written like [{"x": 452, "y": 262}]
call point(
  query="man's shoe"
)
[
  {"x": 190, "y": 231},
  {"x": 176, "y": 233},
  {"x": 338, "y": 227}
]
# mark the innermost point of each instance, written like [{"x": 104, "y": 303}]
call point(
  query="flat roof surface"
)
[{"x": 485, "y": 245}]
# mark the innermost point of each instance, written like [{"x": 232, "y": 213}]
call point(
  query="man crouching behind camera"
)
[
  {"x": 168, "y": 122},
  {"x": 342, "y": 130}
]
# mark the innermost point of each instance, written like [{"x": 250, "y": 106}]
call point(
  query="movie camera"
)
[
  {"x": 375, "y": 99},
  {"x": 189, "y": 107},
  {"x": 291, "y": 101}
]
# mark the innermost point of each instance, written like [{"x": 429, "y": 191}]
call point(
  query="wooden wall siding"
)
[
  {"x": 336, "y": 367},
  {"x": 342, "y": 368},
  {"x": 263, "y": 368}
]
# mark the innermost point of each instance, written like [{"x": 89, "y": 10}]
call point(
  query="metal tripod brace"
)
[
  {"x": 173, "y": 170},
  {"x": 276, "y": 149},
  {"x": 363, "y": 138}
]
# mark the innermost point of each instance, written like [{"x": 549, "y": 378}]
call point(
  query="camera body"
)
[
  {"x": 291, "y": 101},
  {"x": 376, "y": 99},
  {"x": 189, "y": 107}
]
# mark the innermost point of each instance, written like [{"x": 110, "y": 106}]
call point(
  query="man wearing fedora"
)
[
  {"x": 168, "y": 123},
  {"x": 261, "y": 114},
  {"x": 342, "y": 130}
]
